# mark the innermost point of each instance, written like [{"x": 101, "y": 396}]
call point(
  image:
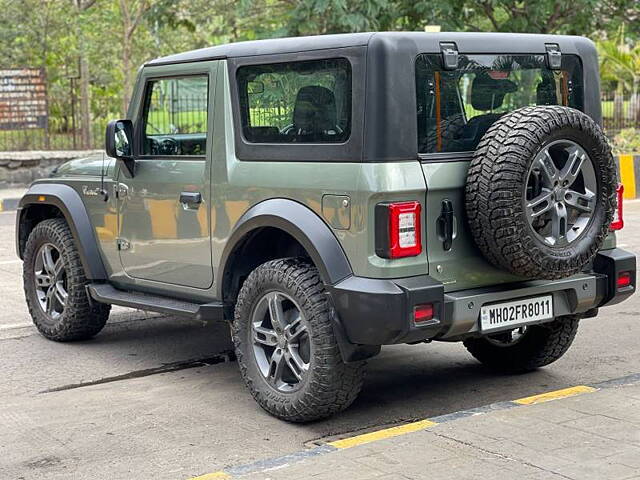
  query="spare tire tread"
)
[{"x": 497, "y": 171}]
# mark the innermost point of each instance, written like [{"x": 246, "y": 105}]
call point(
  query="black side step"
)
[{"x": 105, "y": 293}]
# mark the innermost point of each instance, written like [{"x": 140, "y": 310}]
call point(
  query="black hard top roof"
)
[{"x": 470, "y": 42}]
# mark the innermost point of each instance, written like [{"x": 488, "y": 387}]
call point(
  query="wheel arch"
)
[
  {"x": 43, "y": 201},
  {"x": 294, "y": 228}
]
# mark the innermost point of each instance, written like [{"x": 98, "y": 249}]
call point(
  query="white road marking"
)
[{"x": 10, "y": 262}]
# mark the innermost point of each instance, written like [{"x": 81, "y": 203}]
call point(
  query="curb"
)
[
  {"x": 9, "y": 204},
  {"x": 237, "y": 471}
]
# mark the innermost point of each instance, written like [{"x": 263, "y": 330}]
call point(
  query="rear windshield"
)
[{"x": 456, "y": 107}]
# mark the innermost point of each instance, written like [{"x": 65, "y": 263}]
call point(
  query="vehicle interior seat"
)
[{"x": 314, "y": 114}]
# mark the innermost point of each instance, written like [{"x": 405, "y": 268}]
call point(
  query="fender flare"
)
[
  {"x": 69, "y": 202},
  {"x": 301, "y": 223}
]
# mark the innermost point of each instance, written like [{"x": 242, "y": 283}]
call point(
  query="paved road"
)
[{"x": 144, "y": 413}]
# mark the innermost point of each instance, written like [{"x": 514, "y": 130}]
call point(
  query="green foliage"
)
[
  {"x": 627, "y": 141},
  {"x": 53, "y": 33}
]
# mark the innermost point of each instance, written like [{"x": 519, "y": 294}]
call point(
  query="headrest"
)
[
  {"x": 315, "y": 110},
  {"x": 488, "y": 93}
]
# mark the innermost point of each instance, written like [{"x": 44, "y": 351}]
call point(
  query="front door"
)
[{"x": 164, "y": 207}]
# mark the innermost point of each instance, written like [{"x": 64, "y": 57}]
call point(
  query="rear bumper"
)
[{"x": 380, "y": 312}]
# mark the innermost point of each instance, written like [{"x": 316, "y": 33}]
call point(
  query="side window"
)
[
  {"x": 296, "y": 102},
  {"x": 175, "y": 116}
]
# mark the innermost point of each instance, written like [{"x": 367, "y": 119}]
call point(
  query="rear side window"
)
[
  {"x": 175, "y": 116},
  {"x": 296, "y": 102},
  {"x": 456, "y": 107}
]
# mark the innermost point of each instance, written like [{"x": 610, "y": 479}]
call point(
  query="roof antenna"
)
[{"x": 103, "y": 192}]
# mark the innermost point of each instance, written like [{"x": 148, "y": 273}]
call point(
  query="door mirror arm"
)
[{"x": 119, "y": 144}]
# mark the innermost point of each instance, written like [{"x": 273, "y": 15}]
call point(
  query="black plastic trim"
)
[
  {"x": 68, "y": 201},
  {"x": 611, "y": 263},
  {"x": 106, "y": 293},
  {"x": 379, "y": 312},
  {"x": 301, "y": 223},
  {"x": 381, "y": 230}
]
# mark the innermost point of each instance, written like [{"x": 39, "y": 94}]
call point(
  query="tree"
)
[
  {"x": 82, "y": 6},
  {"x": 623, "y": 62},
  {"x": 131, "y": 12}
]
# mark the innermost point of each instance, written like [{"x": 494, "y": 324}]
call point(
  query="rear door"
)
[
  {"x": 164, "y": 208},
  {"x": 454, "y": 110}
]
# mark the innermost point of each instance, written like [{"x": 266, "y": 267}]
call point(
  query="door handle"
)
[{"x": 190, "y": 199}]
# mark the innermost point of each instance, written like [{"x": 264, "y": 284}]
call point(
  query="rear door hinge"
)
[
  {"x": 554, "y": 56},
  {"x": 450, "y": 55},
  {"x": 122, "y": 244}
]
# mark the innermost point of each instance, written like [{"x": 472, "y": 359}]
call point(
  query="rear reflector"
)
[
  {"x": 618, "y": 220},
  {"x": 423, "y": 313},
  {"x": 624, "y": 279}
]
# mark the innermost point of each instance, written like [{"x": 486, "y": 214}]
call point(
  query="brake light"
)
[
  {"x": 618, "y": 220},
  {"x": 398, "y": 229},
  {"x": 624, "y": 279}
]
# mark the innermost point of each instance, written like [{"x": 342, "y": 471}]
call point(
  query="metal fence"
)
[
  {"x": 620, "y": 112},
  {"x": 64, "y": 133}
]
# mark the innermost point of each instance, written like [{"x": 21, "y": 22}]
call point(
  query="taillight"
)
[
  {"x": 398, "y": 229},
  {"x": 618, "y": 220}
]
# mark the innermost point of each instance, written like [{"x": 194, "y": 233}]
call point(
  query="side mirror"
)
[{"x": 119, "y": 143}]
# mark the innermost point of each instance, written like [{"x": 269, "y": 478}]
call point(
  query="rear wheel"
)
[
  {"x": 526, "y": 348},
  {"x": 54, "y": 285},
  {"x": 286, "y": 349}
]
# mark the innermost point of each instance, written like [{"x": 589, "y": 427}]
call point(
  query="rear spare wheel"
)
[{"x": 540, "y": 192}]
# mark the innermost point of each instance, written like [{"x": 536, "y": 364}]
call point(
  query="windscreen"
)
[{"x": 456, "y": 107}]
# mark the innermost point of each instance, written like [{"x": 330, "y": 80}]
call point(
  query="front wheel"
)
[
  {"x": 285, "y": 345},
  {"x": 54, "y": 285},
  {"x": 526, "y": 348}
]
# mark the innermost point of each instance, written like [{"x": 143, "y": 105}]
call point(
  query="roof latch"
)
[
  {"x": 449, "y": 55},
  {"x": 554, "y": 56}
]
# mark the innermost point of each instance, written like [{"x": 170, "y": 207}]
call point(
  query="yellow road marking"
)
[
  {"x": 564, "y": 393},
  {"x": 213, "y": 476},
  {"x": 628, "y": 175},
  {"x": 382, "y": 434}
]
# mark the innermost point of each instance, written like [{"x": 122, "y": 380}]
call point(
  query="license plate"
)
[{"x": 518, "y": 312}]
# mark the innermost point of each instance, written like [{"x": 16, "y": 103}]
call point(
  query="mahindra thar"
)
[{"x": 329, "y": 195}]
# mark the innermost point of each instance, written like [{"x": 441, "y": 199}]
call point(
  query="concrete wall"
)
[{"x": 19, "y": 169}]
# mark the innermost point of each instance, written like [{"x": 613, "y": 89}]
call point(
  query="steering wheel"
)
[{"x": 168, "y": 146}]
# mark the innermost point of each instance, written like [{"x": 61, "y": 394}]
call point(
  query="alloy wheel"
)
[
  {"x": 281, "y": 343},
  {"x": 560, "y": 193},
  {"x": 50, "y": 281}
]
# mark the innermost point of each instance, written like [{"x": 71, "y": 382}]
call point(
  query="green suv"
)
[{"x": 328, "y": 195}]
